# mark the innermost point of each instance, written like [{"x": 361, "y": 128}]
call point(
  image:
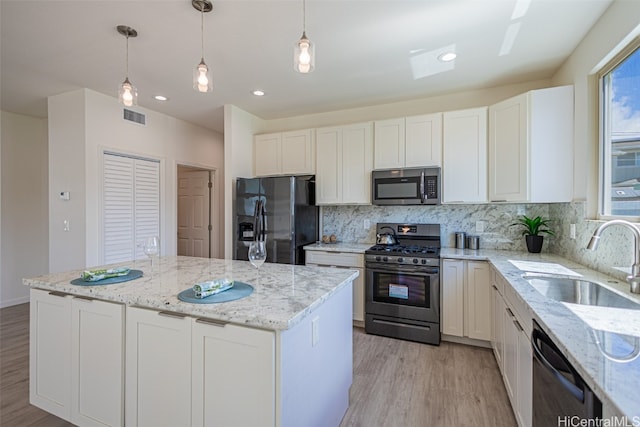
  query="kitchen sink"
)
[{"x": 577, "y": 291}]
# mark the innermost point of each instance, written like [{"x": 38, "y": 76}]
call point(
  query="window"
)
[{"x": 620, "y": 127}]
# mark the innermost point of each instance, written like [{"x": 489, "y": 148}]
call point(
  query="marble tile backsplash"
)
[
  {"x": 614, "y": 255},
  {"x": 347, "y": 222}
]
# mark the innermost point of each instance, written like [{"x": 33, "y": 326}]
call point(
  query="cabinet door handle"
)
[
  {"x": 510, "y": 312},
  {"x": 515, "y": 322},
  {"x": 83, "y": 298},
  {"x": 494, "y": 287},
  {"x": 57, "y": 294},
  {"x": 499, "y": 201},
  {"x": 172, "y": 314},
  {"x": 213, "y": 322}
]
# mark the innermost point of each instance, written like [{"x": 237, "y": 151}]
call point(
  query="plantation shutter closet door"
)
[{"x": 131, "y": 206}]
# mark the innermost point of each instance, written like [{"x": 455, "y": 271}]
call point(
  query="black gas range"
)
[{"x": 402, "y": 283}]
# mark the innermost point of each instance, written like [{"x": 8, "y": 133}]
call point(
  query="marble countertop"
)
[
  {"x": 283, "y": 294},
  {"x": 358, "y": 248},
  {"x": 580, "y": 331}
]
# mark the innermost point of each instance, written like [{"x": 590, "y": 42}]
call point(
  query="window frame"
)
[{"x": 604, "y": 148}]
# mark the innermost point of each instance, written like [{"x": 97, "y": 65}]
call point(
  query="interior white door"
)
[{"x": 194, "y": 218}]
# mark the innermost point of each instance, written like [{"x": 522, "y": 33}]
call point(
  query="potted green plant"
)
[{"x": 533, "y": 228}]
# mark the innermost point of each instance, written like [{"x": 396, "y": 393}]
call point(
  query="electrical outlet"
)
[
  {"x": 572, "y": 231},
  {"x": 65, "y": 225},
  {"x": 520, "y": 210},
  {"x": 315, "y": 331},
  {"x": 479, "y": 226},
  {"x": 366, "y": 224}
]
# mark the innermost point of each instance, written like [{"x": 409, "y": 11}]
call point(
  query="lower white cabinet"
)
[
  {"x": 185, "y": 371},
  {"x": 76, "y": 358},
  {"x": 233, "y": 375},
  {"x": 512, "y": 346},
  {"x": 158, "y": 355},
  {"x": 353, "y": 261},
  {"x": 466, "y": 299}
]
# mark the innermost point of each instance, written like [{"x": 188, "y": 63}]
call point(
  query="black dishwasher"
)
[{"x": 559, "y": 393}]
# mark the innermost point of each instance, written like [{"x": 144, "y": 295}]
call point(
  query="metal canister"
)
[
  {"x": 460, "y": 239},
  {"x": 473, "y": 242}
]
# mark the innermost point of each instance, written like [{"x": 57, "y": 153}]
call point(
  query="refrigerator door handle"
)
[{"x": 259, "y": 221}]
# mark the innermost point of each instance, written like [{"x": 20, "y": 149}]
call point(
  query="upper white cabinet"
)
[
  {"x": 464, "y": 165},
  {"x": 285, "y": 153},
  {"x": 531, "y": 147},
  {"x": 344, "y": 157},
  {"x": 408, "y": 142}
]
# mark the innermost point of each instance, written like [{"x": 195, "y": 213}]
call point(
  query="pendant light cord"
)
[
  {"x": 202, "y": 30},
  {"x": 127, "y": 59},
  {"x": 304, "y": 17}
]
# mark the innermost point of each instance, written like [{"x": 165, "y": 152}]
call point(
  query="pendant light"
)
[
  {"x": 202, "y": 80},
  {"x": 127, "y": 93},
  {"x": 304, "y": 51}
]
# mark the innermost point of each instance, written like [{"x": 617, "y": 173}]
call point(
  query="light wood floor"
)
[{"x": 395, "y": 383}]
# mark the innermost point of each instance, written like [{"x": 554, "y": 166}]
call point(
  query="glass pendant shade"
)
[
  {"x": 128, "y": 94},
  {"x": 304, "y": 55},
  {"x": 202, "y": 80}
]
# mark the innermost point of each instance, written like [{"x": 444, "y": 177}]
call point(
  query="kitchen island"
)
[{"x": 132, "y": 353}]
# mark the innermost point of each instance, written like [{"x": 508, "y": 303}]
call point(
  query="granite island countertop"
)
[
  {"x": 578, "y": 329},
  {"x": 283, "y": 294}
]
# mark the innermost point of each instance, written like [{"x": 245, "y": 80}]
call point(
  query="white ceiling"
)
[{"x": 364, "y": 51}]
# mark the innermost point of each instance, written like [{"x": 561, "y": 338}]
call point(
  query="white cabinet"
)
[
  {"x": 414, "y": 141},
  {"x": 233, "y": 375},
  {"x": 184, "y": 371},
  {"x": 464, "y": 164},
  {"x": 512, "y": 347},
  {"x": 344, "y": 158},
  {"x": 285, "y": 153},
  {"x": 531, "y": 147},
  {"x": 158, "y": 365},
  {"x": 497, "y": 320},
  {"x": 389, "y": 144},
  {"x": 76, "y": 358},
  {"x": 466, "y": 299},
  {"x": 452, "y": 290},
  {"x": 351, "y": 261}
]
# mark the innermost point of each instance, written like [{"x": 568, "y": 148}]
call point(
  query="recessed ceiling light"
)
[
  {"x": 258, "y": 92},
  {"x": 446, "y": 57},
  {"x": 160, "y": 98}
]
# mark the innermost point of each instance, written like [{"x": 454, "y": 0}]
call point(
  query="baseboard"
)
[
  {"x": 14, "y": 301},
  {"x": 467, "y": 341}
]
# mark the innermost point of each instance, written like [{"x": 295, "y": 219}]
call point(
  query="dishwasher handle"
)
[{"x": 572, "y": 388}]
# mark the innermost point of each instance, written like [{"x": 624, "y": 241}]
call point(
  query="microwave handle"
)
[{"x": 422, "y": 196}]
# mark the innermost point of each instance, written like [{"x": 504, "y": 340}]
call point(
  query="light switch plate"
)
[
  {"x": 572, "y": 231},
  {"x": 479, "y": 226}
]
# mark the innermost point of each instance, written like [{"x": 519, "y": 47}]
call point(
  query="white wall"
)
[
  {"x": 434, "y": 104},
  {"x": 239, "y": 128},
  {"x": 616, "y": 28},
  {"x": 24, "y": 227},
  {"x": 164, "y": 138}
]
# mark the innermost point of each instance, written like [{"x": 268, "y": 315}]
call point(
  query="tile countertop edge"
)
[
  {"x": 571, "y": 333},
  {"x": 118, "y": 293},
  {"x": 354, "y": 247}
]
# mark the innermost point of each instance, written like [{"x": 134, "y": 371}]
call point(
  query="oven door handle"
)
[{"x": 412, "y": 269}]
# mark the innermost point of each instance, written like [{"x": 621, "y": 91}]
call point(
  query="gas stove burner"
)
[{"x": 405, "y": 249}]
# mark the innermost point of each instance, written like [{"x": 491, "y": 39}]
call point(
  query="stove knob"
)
[
  {"x": 400, "y": 259},
  {"x": 424, "y": 261},
  {"x": 415, "y": 260},
  {"x": 385, "y": 259},
  {"x": 378, "y": 258}
]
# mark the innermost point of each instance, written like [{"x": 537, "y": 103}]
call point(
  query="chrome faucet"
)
[{"x": 634, "y": 277}]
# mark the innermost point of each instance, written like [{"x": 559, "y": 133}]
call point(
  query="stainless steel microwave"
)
[{"x": 408, "y": 186}]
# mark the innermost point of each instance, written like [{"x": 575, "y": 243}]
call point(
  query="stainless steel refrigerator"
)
[{"x": 289, "y": 219}]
